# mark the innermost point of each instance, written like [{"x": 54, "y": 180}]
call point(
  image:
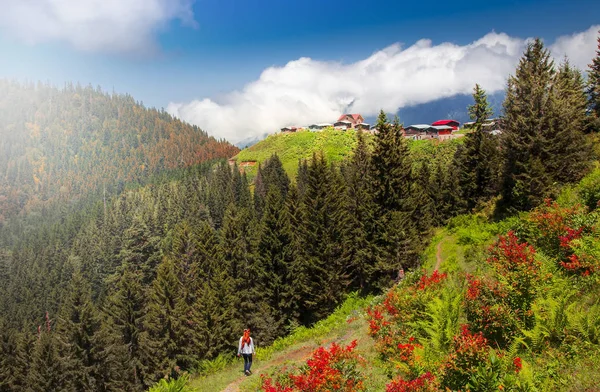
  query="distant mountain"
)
[
  {"x": 448, "y": 108},
  {"x": 250, "y": 141},
  {"x": 61, "y": 144}
]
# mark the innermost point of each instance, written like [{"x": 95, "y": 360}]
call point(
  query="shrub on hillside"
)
[
  {"x": 488, "y": 312},
  {"x": 333, "y": 369},
  {"x": 559, "y": 232},
  {"x": 403, "y": 306},
  {"x": 469, "y": 350}
]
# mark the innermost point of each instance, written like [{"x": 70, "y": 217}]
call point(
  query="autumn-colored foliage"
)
[{"x": 63, "y": 144}]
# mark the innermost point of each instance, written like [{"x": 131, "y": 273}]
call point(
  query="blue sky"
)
[{"x": 168, "y": 53}]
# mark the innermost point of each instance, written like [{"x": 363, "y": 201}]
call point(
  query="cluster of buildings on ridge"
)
[{"x": 441, "y": 129}]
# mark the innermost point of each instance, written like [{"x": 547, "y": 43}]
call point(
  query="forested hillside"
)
[
  {"x": 163, "y": 276},
  {"x": 62, "y": 144}
]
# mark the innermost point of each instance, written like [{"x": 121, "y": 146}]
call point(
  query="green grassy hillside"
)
[
  {"x": 335, "y": 145},
  {"x": 292, "y": 147}
]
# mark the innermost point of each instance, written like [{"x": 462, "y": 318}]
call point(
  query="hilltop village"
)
[{"x": 441, "y": 129}]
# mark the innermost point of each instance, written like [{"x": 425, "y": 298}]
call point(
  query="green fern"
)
[
  {"x": 171, "y": 385},
  {"x": 551, "y": 320},
  {"x": 440, "y": 319},
  {"x": 586, "y": 322}
]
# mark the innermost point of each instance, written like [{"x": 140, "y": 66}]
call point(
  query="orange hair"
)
[{"x": 246, "y": 337}]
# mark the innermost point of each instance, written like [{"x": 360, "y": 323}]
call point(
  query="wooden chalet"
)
[{"x": 353, "y": 119}]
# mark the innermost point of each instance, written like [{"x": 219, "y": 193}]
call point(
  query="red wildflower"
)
[{"x": 518, "y": 364}]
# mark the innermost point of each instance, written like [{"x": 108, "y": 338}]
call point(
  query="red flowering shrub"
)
[
  {"x": 559, "y": 229},
  {"x": 333, "y": 369},
  {"x": 401, "y": 306},
  {"x": 468, "y": 351},
  {"x": 433, "y": 281},
  {"x": 516, "y": 262},
  {"x": 487, "y": 310},
  {"x": 426, "y": 382}
]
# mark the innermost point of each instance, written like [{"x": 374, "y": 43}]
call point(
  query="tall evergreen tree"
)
[
  {"x": 46, "y": 370},
  {"x": 527, "y": 110},
  {"x": 85, "y": 361},
  {"x": 392, "y": 184},
  {"x": 238, "y": 243},
  {"x": 12, "y": 373},
  {"x": 569, "y": 151},
  {"x": 125, "y": 310},
  {"x": 213, "y": 309},
  {"x": 361, "y": 215},
  {"x": 275, "y": 255},
  {"x": 593, "y": 90},
  {"x": 163, "y": 321},
  {"x": 477, "y": 160}
]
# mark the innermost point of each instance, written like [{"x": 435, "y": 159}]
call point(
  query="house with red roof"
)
[
  {"x": 450, "y": 123},
  {"x": 353, "y": 119}
]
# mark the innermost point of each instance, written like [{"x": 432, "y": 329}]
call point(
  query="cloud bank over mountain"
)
[
  {"x": 306, "y": 91},
  {"x": 93, "y": 25}
]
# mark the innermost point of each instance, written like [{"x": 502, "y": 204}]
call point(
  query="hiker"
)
[{"x": 246, "y": 349}]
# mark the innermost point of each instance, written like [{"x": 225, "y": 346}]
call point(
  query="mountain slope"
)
[
  {"x": 292, "y": 147},
  {"x": 336, "y": 145},
  {"x": 425, "y": 334},
  {"x": 62, "y": 144}
]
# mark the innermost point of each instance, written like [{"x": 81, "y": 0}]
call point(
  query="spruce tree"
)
[
  {"x": 392, "y": 181},
  {"x": 275, "y": 255},
  {"x": 238, "y": 243},
  {"x": 12, "y": 374},
  {"x": 593, "y": 91},
  {"x": 162, "y": 325},
  {"x": 46, "y": 370},
  {"x": 361, "y": 215},
  {"x": 141, "y": 249},
  {"x": 213, "y": 309},
  {"x": 125, "y": 310},
  {"x": 477, "y": 159},
  {"x": 83, "y": 353},
  {"x": 569, "y": 153},
  {"x": 527, "y": 110}
]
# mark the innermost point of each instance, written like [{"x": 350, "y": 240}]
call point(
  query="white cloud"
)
[
  {"x": 93, "y": 25},
  {"x": 306, "y": 91},
  {"x": 579, "y": 47}
]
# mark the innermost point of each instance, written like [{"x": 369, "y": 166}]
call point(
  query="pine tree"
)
[
  {"x": 361, "y": 215},
  {"x": 220, "y": 193},
  {"x": 125, "y": 310},
  {"x": 274, "y": 175},
  {"x": 275, "y": 255},
  {"x": 477, "y": 159},
  {"x": 162, "y": 325},
  {"x": 527, "y": 107},
  {"x": 238, "y": 244},
  {"x": 309, "y": 270},
  {"x": 11, "y": 373},
  {"x": 260, "y": 192},
  {"x": 141, "y": 249},
  {"x": 392, "y": 181},
  {"x": 82, "y": 352},
  {"x": 593, "y": 91},
  {"x": 213, "y": 310},
  {"x": 46, "y": 370},
  {"x": 569, "y": 152}
]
